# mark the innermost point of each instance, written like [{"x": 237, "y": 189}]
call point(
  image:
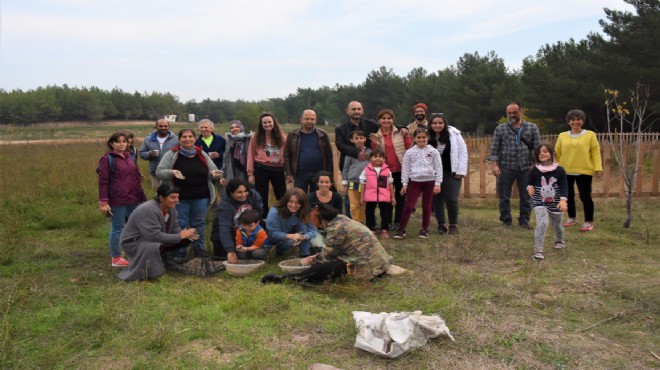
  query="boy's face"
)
[
  {"x": 250, "y": 227},
  {"x": 358, "y": 141}
]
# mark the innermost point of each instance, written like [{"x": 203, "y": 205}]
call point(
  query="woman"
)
[
  {"x": 191, "y": 170},
  {"x": 237, "y": 198},
  {"x": 234, "y": 163},
  {"x": 266, "y": 159},
  {"x": 351, "y": 248},
  {"x": 578, "y": 152},
  {"x": 131, "y": 150},
  {"x": 324, "y": 194},
  {"x": 120, "y": 190},
  {"x": 213, "y": 145},
  {"x": 453, "y": 152},
  {"x": 289, "y": 223},
  {"x": 395, "y": 142},
  {"x": 151, "y": 230}
]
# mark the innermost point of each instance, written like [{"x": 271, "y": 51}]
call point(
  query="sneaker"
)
[
  {"x": 453, "y": 230},
  {"x": 423, "y": 233},
  {"x": 400, "y": 234},
  {"x": 587, "y": 226},
  {"x": 384, "y": 234},
  {"x": 538, "y": 256},
  {"x": 570, "y": 222},
  {"x": 442, "y": 230},
  {"x": 525, "y": 225},
  {"x": 560, "y": 245},
  {"x": 119, "y": 262}
]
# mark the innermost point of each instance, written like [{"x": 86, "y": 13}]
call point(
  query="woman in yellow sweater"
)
[{"x": 578, "y": 152}]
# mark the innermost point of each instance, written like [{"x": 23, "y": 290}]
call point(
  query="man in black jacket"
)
[{"x": 354, "y": 122}]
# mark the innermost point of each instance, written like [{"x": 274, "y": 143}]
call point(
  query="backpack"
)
[{"x": 111, "y": 164}]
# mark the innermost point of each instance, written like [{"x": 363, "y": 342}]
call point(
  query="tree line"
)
[{"x": 472, "y": 93}]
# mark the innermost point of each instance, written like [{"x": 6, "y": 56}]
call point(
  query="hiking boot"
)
[
  {"x": 423, "y": 233},
  {"x": 119, "y": 262},
  {"x": 272, "y": 279},
  {"x": 507, "y": 223},
  {"x": 442, "y": 229},
  {"x": 400, "y": 234},
  {"x": 587, "y": 226},
  {"x": 570, "y": 222},
  {"x": 525, "y": 225},
  {"x": 560, "y": 245},
  {"x": 538, "y": 256},
  {"x": 453, "y": 230},
  {"x": 384, "y": 234}
]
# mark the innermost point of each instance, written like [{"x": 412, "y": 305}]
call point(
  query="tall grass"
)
[{"x": 593, "y": 305}]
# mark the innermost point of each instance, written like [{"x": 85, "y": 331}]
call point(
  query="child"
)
[
  {"x": 251, "y": 237},
  {"x": 422, "y": 171},
  {"x": 549, "y": 190},
  {"x": 377, "y": 189},
  {"x": 350, "y": 176}
]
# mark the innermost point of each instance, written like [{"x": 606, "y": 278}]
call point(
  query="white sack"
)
[{"x": 393, "y": 334}]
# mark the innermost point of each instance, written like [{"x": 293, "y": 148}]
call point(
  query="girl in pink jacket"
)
[{"x": 377, "y": 189}]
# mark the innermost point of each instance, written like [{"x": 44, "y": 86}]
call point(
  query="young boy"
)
[
  {"x": 350, "y": 176},
  {"x": 251, "y": 237}
]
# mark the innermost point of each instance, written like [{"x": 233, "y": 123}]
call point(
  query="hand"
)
[
  {"x": 375, "y": 138},
  {"x": 404, "y": 131},
  {"x": 562, "y": 205},
  {"x": 178, "y": 174},
  {"x": 232, "y": 258},
  {"x": 105, "y": 209},
  {"x": 458, "y": 176},
  {"x": 189, "y": 234},
  {"x": 154, "y": 153},
  {"x": 436, "y": 189},
  {"x": 598, "y": 174},
  {"x": 240, "y": 248},
  {"x": 251, "y": 179},
  {"x": 289, "y": 179},
  {"x": 223, "y": 181},
  {"x": 530, "y": 190},
  {"x": 496, "y": 170},
  {"x": 216, "y": 173},
  {"x": 393, "y": 201},
  {"x": 363, "y": 156},
  {"x": 213, "y": 155},
  {"x": 404, "y": 190},
  {"x": 362, "y": 202},
  {"x": 307, "y": 260}
]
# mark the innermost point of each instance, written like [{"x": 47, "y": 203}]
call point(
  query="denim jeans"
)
[
  {"x": 117, "y": 221},
  {"x": 192, "y": 213},
  {"x": 505, "y": 185}
]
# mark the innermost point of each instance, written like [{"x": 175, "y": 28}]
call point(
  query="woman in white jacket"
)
[{"x": 453, "y": 151}]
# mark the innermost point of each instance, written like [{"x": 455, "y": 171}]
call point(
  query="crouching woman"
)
[
  {"x": 350, "y": 249},
  {"x": 152, "y": 229}
]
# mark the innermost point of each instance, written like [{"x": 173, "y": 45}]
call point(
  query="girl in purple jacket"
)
[{"x": 120, "y": 190}]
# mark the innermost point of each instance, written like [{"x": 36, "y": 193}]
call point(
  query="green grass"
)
[{"x": 62, "y": 305}]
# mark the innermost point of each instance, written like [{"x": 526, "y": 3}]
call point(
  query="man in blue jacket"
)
[{"x": 155, "y": 145}]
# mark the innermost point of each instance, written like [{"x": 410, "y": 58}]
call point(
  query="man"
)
[
  {"x": 343, "y": 133},
  {"x": 420, "y": 110},
  {"x": 511, "y": 158},
  {"x": 155, "y": 145},
  {"x": 307, "y": 151}
]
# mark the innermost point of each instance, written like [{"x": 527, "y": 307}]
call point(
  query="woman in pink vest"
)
[{"x": 377, "y": 189}]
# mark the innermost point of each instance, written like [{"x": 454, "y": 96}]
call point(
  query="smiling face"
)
[
  {"x": 162, "y": 128},
  {"x": 438, "y": 124},
  {"x": 576, "y": 124},
  {"x": 169, "y": 201},
  {"x": 420, "y": 114},
  {"x": 358, "y": 140},
  {"x": 421, "y": 139},
  {"x": 187, "y": 140},
  {"x": 293, "y": 205},
  {"x": 205, "y": 129},
  {"x": 267, "y": 123},
  {"x": 377, "y": 160},
  {"x": 235, "y": 129},
  {"x": 513, "y": 113},
  {"x": 324, "y": 183},
  {"x": 240, "y": 194},
  {"x": 545, "y": 156},
  {"x": 386, "y": 121}
]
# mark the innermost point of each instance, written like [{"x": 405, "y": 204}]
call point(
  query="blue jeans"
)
[
  {"x": 192, "y": 213},
  {"x": 504, "y": 186},
  {"x": 117, "y": 221}
]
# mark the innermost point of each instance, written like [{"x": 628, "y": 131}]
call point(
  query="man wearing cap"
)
[
  {"x": 155, "y": 146},
  {"x": 420, "y": 110}
]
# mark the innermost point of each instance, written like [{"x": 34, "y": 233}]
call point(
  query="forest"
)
[{"x": 472, "y": 93}]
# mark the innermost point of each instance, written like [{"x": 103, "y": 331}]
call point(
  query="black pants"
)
[
  {"x": 306, "y": 180},
  {"x": 319, "y": 272},
  {"x": 263, "y": 176},
  {"x": 400, "y": 199},
  {"x": 385, "y": 215},
  {"x": 584, "y": 187}
]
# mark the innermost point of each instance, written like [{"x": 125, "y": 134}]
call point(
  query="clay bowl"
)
[
  {"x": 243, "y": 267},
  {"x": 292, "y": 266}
]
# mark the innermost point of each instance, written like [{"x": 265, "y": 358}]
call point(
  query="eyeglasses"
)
[{"x": 437, "y": 114}]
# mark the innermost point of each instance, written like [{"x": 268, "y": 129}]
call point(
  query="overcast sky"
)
[{"x": 251, "y": 50}]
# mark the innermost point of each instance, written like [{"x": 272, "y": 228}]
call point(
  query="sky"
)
[{"x": 253, "y": 50}]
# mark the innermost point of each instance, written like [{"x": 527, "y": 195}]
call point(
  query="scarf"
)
[
  {"x": 238, "y": 147},
  {"x": 547, "y": 167}
]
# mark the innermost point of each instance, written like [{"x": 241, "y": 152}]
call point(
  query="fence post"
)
[
  {"x": 607, "y": 148},
  {"x": 656, "y": 161},
  {"x": 482, "y": 171},
  {"x": 466, "y": 180}
]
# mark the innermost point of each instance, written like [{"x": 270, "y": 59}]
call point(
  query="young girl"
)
[
  {"x": 422, "y": 171},
  {"x": 548, "y": 189},
  {"x": 377, "y": 189}
]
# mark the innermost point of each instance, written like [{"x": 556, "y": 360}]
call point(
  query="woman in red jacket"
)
[{"x": 120, "y": 190}]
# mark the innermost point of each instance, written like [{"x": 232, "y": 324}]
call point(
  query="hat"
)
[{"x": 421, "y": 105}]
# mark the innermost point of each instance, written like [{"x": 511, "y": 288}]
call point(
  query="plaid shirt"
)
[{"x": 508, "y": 153}]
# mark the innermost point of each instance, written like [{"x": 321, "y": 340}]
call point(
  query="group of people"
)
[{"x": 384, "y": 166}]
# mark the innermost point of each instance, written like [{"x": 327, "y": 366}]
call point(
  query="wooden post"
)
[
  {"x": 482, "y": 171},
  {"x": 640, "y": 173},
  {"x": 656, "y": 162},
  {"x": 466, "y": 180}
]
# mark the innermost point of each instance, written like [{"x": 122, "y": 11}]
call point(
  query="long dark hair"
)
[
  {"x": 537, "y": 152},
  {"x": 275, "y": 136},
  {"x": 435, "y": 137},
  {"x": 304, "y": 211}
]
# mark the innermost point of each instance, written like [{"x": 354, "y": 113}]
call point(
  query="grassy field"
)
[{"x": 594, "y": 305}]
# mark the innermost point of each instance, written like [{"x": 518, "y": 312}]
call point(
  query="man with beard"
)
[
  {"x": 155, "y": 146},
  {"x": 511, "y": 159},
  {"x": 420, "y": 110}
]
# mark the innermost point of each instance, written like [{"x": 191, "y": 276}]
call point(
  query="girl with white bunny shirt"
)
[{"x": 549, "y": 190}]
